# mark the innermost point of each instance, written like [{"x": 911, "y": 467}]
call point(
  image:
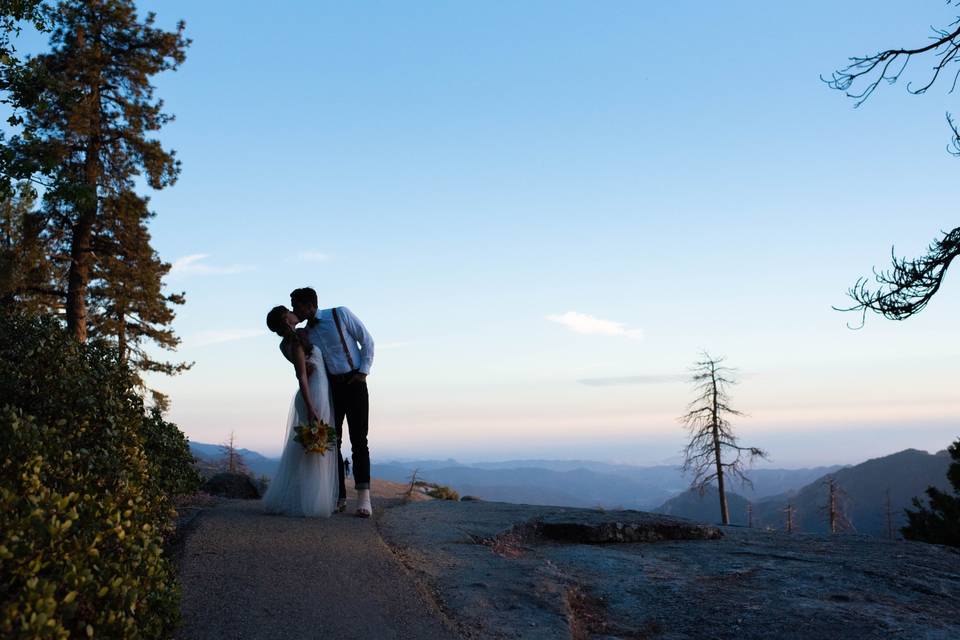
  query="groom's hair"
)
[{"x": 304, "y": 295}]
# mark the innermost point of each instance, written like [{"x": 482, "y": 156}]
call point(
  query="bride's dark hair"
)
[{"x": 277, "y": 322}]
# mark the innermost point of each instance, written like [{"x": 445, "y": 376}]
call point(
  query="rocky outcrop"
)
[
  {"x": 518, "y": 571},
  {"x": 232, "y": 485}
]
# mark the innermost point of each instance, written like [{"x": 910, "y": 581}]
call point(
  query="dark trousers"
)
[{"x": 351, "y": 401}]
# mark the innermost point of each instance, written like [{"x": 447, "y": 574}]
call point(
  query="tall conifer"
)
[
  {"x": 88, "y": 111},
  {"x": 126, "y": 296}
]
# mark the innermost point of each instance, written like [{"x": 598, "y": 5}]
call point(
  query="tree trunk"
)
[
  {"x": 80, "y": 255},
  {"x": 81, "y": 249},
  {"x": 889, "y": 514},
  {"x": 715, "y": 414},
  {"x": 121, "y": 335},
  {"x": 833, "y": 508},
  {"x": 724, "y": 513}
]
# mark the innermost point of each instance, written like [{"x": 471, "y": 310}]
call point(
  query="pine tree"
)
[
  {"x": 87, "y": 110},
  {"x": 127, "y": 302},
  {"x": 15, "y": 168},
  {"x": 29, "y": 274},
  {"x": 940, "y": 522}
]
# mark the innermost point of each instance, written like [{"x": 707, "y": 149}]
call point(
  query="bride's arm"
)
[{"x": 300, "y": 365}]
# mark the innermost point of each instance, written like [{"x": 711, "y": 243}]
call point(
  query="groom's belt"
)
[{"x": 342, "y": 377}]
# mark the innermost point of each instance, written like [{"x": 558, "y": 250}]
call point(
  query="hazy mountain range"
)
[
  {"x": 580, "y": 483},
  {"x": 209, "y": 455},
  {"x": 905, "y": 475},
  {"x": 663, "y": 488}
]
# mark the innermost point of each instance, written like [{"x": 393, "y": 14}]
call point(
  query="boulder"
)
[{"x": 232, "y": 485}]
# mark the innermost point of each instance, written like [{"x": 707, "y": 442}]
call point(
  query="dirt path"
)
[{"x": 249, "y": 575}]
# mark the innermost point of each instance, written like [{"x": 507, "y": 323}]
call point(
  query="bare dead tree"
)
[
  {"x": 907, "y": 287},
  {"x": 888, "y": 514},
  {"x": 707, "y": 422},
  {"x": 408, "y": 494},
  {"x": 790, "y": 511},
  {"x": 750, "y": 514},
  {"x": 835, "y": 509},
  {"x": 230, "y": 458}
]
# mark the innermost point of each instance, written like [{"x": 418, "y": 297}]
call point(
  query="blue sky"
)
[{"x": 481, "y": 183}]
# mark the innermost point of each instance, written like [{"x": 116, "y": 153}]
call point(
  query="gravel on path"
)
[{"x": 246, "y": 574}]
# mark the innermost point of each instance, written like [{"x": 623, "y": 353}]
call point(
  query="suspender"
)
[{"x": 346, "y": 351}]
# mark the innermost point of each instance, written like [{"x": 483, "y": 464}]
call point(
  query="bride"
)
[{"x": 305, "y": 483}]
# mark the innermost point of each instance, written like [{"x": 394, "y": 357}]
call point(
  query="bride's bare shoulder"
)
[{"x": 287, "y": 348}]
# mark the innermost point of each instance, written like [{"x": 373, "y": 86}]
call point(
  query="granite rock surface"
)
[{"x": 518, "y": 571}]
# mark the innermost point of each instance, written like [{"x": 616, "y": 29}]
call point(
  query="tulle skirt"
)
[{"x": 305, "y": 483}]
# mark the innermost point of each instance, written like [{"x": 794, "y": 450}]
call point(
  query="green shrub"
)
[
  {"x": 78, "y": 559},
  {"x": 168, "y": 454},
  {"x": 940, "y": 523},
  {"x": 85, "y": 510},
  {"x": 443, "y": 492}
]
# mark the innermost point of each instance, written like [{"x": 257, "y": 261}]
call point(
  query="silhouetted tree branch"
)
[
  {"x": 861, "y": 77},
  {"x": 907, "y": 287}
]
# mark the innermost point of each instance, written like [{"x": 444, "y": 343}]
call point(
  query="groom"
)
[{"x": 347, "y": 349}]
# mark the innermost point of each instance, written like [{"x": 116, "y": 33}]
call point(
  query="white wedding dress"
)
[{"x": 306, "y": 484}]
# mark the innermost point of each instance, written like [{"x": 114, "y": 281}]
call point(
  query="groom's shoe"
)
[
  {"x": 364, "y": 510},
  {"x": 341, "y": 505}
]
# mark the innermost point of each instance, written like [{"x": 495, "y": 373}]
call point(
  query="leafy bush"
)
[
  {"x": 81, "y": 554},
  {"x": 940, "y": 524},
  {"x": 443, "y": 492},
  {"x": 85, "y": 509},
  {"x": 168, "y": 454}
]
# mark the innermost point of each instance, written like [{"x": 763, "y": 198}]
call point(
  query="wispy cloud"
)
[
  {"x": 648, "y": 379},
  {"x": 194, "y": 265},
  {"x": 583, "y": 323},
  {"x": 312, "y": 256},
  {"x": 207, "y": 338}
]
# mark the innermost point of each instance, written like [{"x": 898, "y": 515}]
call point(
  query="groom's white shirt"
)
[{"x": 359, "y": 341}]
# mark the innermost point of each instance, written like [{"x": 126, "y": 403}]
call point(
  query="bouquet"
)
[{"x": 316, "y": 437}]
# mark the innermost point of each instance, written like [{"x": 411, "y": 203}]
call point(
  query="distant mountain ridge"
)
[
  {"x": 906, "y": 474},
  {"x": 210, "y": 454},
  {"x": 581, "y": 483},
  {"x": 663, "y": 488}
]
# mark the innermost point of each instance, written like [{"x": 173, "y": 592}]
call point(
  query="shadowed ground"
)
[{"x": 250, "y": 575}]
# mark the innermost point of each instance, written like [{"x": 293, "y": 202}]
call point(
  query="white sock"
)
[{"x": 363, "y": 500}]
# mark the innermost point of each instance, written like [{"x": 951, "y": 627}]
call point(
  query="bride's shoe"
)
[{"x": 364, "y": 510}]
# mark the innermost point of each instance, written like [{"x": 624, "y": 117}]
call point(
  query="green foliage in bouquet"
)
[
  {"x": 316, "y": 437},
  {"x": 84, "y": 476}
]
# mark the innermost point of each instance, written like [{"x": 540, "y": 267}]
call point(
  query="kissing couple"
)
[{"x": 331, "y": 357}]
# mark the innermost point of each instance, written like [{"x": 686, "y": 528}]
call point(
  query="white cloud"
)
[
  {"x": 312, "y": 256},
  {"x": 206, "y": 338},
  {"x": 583, "y": 323},
  {"x": 647, "y": 379},
  {"x": 194, "y": 265}
]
